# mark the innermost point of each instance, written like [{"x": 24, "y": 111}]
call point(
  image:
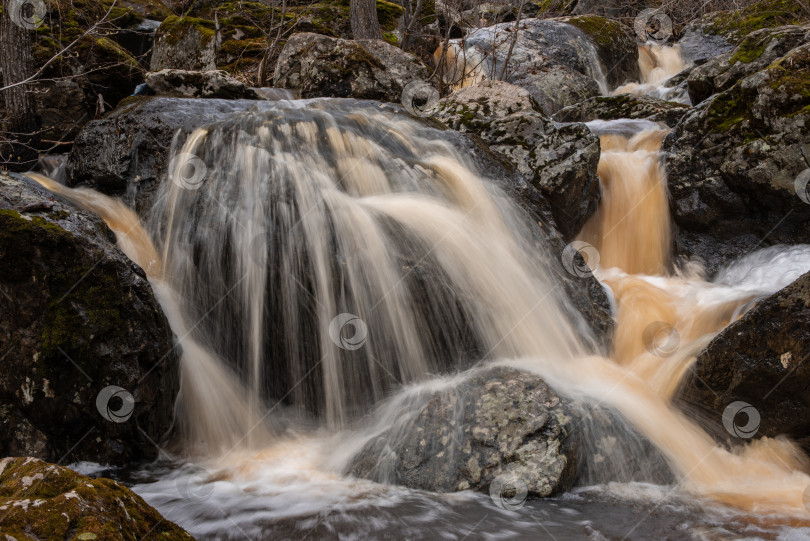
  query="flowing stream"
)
[{"x": 318, "y": 263}]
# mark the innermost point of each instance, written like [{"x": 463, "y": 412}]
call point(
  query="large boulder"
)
[
  {"x": 127, "y": 152},
  {"x": 199, "y": 84},
  {"x": 77, "y": 317},
  {"x": 45, "y": 501},
  {"x": 719, "y": 32},
  {"x": 624, "y": 106},
  {"x": 753, "y": 54},
  {"x": 498, "y": 426},
  {"x": 559, "y": 160},
  {"x": 738, "y": 166},
  {"x": 185, "y": 43},
  {"x": 762, "y": 360},
  {"x": 364, "y": 69},
  {"x": 559, "y": 61}
]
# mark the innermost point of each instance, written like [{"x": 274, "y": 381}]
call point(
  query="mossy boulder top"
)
[{"x": 45, "y": 501}]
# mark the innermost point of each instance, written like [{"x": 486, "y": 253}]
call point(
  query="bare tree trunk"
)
[
  {"x": 364, "y": 20},
  {"x": 21, "y": 125}
]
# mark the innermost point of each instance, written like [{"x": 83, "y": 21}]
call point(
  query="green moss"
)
[
  {"x": 750, "y": 49},
  {"x": 726, "y": 111},
  {"x": 96, "y": 508},
  {"x": 604, "y": 32},
  {"x": 117, "y": 53},
  {"x": 737, "y": 24},
  {"x": 175, "y": 28},
  {"x": 388, "y": 14}
]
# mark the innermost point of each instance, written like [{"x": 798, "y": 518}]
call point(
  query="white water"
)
[{"x": 334, "y": 164}]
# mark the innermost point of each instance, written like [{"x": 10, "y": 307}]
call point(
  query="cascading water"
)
[{"x": 272, "y": 226}]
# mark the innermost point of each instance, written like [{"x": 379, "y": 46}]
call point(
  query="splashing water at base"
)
[
  {"x": 658, "y": 63},
  {"x": 350, "y": 207}
]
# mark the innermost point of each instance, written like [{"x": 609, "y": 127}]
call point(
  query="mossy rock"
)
[
  {"x": 736, "y": 24},
  {"x": 45, "y": 501},
  {"x": 76, "y": 316},
  {"x": 734, "y": 161}
]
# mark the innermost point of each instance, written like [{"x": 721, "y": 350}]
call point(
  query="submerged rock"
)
[
  {"x": 45, "y": 501},
  {"x": 738, "y": 164},
  {"x": 494, "y": 426},
  {"x": 761, "y": 360},
  {"x": 559, "y": 161},
  {"x": 198, "y": 84},
  {"x": 363, "y": 69},
  {"x": 624, "y": 106},
  {"x": 76, "y": 317}
]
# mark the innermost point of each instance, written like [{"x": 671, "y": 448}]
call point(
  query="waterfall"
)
[{"x": 322, "y": 257}]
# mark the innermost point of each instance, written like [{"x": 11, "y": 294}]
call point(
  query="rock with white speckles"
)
[{"x": 44, "y": 501}]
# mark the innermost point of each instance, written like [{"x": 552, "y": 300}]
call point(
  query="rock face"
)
[
  {"x": 44, "y": 501},
  {"x": 753, "y": 54},
  {"x": 77, "y": 316},
  {"x": 185, "y": 43},
  {"x": 127, "y": 152},
  {"x": 719, "y": 32},
  {"x": 560, "y": 161},
  {"x": 624, "y": 106},
  {"x": 199, "y": 84},
  {"x": 560, "y": 61},
  {"x": 495, "y": 425},
  {"x": 762, "y": 360},
  {"x": 364, "y": 69},
  {"x": 738, "y": 165}
]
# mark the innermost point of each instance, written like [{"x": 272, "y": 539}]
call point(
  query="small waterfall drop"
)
[{"x": 292, "y": 236}]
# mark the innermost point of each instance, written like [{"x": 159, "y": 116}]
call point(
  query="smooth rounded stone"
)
[
  {"x": 45, "y": 501},
  {"x": 76, "y": 317},
  {"x": 198, "y": 84},
  {"x": 491, "y": 426},
  {"x": 559, "y": 161},
  {"x": 753, "y": 54},
  {"x": 624, "y": 106},
  {"x": 560, "y": 62},
  {"x": 185, "y": 43},
  {"x": 737, "y": 165},
  {"x": 761, "y": 360},
  {"x": 321, "y": 66}
]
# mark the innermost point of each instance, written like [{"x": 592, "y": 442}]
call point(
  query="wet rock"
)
[
  {"x": 126, "y": 153},
  {"x": 495, "y": 425},
  {"x": 624, "y": 106},
  {"x": 364, "y": 69},
  {"x": 559, "y": 161},
  {"x": 763, "y": 360},
  {"x": 753, "y": 54},
  {"x": 77, "y": 316},
  {"x": 185, "y": 43},
  {"x": 45, "y": 501},
  {"x": 737, "y": 162},
  {"x": 198, "y": 84},
  {"x": 560, "y": 61}
]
